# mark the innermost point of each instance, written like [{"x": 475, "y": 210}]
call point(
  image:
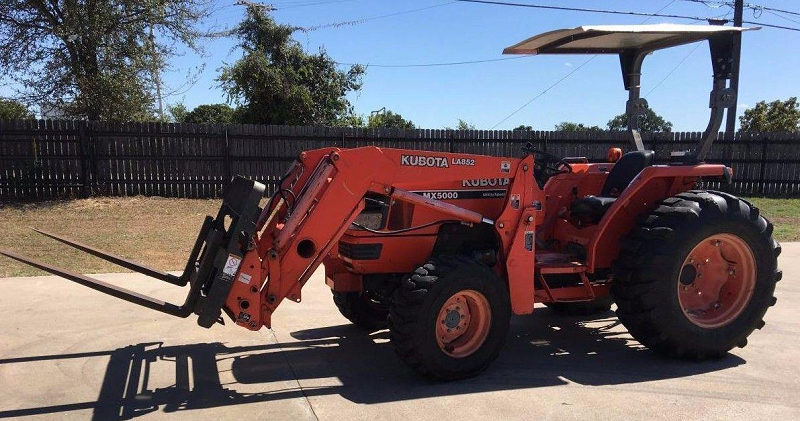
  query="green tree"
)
[
  {"x": 568, "y": 126},
  {"x": 276, "y": 82},
  {"x": 523, "y": 128},
  {"x": 10, "y": 109},
  {"x": 777, "y": 116},
  {"x": 649, "y": 122},
  {"x": 389, "y": 119},
  {"x": 211, "y": 113},
  {"x": 94, "y": 59},
  {"x": 350, "y": 120},
  {"x": 177, "y": 112}
]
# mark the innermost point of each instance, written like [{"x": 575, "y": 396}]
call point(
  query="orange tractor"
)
[{"x": 444, "y": 247}]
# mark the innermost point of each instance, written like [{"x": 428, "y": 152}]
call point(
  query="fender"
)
[{"x": 652, "y": 185}]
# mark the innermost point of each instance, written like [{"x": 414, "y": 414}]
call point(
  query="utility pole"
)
[{"x": 730, "y": 126}]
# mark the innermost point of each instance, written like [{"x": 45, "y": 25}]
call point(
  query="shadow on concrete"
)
[{"x": 542, "y": 350}]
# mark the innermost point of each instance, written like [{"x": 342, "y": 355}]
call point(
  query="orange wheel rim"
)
[
  {"x": 463, "y": 323},
  {"x": 717, "y": 280}
]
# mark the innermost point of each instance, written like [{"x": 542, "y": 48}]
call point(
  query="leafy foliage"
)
[
  {"x": 777, "y": 116},
  {"x": 523, "y": 128},
  {"x": 10, "y": 109},
  {"x": 276, "y": 82},
  {"x": 649, "y": 122},
  {"x": 94, "y": 59},
  {"x": 177, "y": 112},
  {"x": 389, "y": 119},
  {"x": 568, "y": 126},
  {"x": 211, "y": 113},
  {"x": 464, "y": 125},
  {"x": 350, "y": 120}
]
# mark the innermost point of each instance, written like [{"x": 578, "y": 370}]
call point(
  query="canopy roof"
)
[{"x": 614, "y": 39}]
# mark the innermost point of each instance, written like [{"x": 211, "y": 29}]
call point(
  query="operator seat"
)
[{"x": 590, "y": 209}]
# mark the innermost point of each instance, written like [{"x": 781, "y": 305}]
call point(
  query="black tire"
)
[
  {"x": 415, "y": 307},
  {"x": 588, "y": 308},
  {"x": 650, "y": 263},
  {"x": 361, "y": 311}
]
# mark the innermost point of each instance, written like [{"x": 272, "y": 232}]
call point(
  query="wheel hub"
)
[
  {"x": 717, "y": 280},
  {"x": 463, "y": 323},
  {"x": 452, "y": 319}
]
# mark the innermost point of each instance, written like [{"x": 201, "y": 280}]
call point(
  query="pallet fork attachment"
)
[{"x": 213, "y": 261}]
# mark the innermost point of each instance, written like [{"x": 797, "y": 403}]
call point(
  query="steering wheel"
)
[{"x": 546, "y": 165}]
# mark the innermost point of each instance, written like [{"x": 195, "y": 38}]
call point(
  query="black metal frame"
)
[
  {"x": 722, "y": 96},
  {"x": 204, "y": 271}
]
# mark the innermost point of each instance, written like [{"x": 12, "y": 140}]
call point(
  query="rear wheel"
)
[
  {"x": 588, "y": 308},
  {"x": 360, "y": 310},
  {"x": 697, "y": 275},
  {"x": 450, "y": 318}
]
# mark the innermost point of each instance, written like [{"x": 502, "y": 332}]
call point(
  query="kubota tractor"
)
[{"x": 444, "y": 247}]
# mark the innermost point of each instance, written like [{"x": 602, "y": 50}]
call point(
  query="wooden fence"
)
[{"x": 64, "y": 159}]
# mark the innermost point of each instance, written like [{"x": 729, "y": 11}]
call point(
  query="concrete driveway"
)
[{"x": 69, "y": 352}]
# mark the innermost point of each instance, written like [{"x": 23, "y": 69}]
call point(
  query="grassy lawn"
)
[
  {"x": 160, "y": 232},
  {"x": 784, "y": 215},
  {"x": 155, "y": 231}
]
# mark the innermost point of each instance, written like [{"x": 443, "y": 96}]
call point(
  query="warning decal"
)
[{"x": 232, "y": 265}]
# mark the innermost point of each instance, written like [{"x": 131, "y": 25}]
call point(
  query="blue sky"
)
[{"x": 484, "y": 94}]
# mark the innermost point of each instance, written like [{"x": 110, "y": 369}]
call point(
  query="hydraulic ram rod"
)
[{"x": 446, "y": 208}]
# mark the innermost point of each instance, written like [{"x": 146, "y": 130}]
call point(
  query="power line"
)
[
  {"x": 582, "y": 9},
  {"x": 769, "y": 25},
  {"x": 753, "y": 6},
  {"x": 619, "y": 12},
  {"x": 453, "y": 63},
  {"x": 540, "y": 94},
  {"x": 573, "y": 71},
  {"x": 782, "y": 17},
  {"x": 294, "y": 6},
  {"x": 672, "y": 71},
  {"x": 362, "y": 20}
]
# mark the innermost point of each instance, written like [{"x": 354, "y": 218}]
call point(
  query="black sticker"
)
[{"x": 529, "y": 240}]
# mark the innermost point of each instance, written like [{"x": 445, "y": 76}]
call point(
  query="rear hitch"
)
[{"x": 210, "y": 269}]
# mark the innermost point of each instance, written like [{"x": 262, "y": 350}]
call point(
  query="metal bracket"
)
[{"x": 722, "y": 96}]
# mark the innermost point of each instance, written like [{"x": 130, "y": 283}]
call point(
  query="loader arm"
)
[{"x": 317, "y": 202}]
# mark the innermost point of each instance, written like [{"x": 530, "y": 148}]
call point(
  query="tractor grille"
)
[{"x": 360, "y": 251}]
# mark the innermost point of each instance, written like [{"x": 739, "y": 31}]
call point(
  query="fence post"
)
[
  {"x": 762, "y": 177},
  {"x": 88, "y": 162},
  {"x": 227, "y": 158}
]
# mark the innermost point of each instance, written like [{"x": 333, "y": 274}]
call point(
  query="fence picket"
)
[{"x": 63, "y": 159}]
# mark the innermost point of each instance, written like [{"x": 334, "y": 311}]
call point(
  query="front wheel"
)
[
  {"x": 450, "y": 318},
  {"x": 360, "y": 310},
  {"x": 696, "y": 277}
]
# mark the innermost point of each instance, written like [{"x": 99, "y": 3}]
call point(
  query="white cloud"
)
[
  {"x": 568, "y": 64},
  {"x": 743, "y": 106}
]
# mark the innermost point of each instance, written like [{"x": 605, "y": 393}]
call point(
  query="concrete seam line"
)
[{"x": 296, "y": 379}]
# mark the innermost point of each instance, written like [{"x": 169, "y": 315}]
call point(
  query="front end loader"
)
[{"x": 442, "y": 248}]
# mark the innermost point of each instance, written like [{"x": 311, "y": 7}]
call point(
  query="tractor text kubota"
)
[{"x": 443, "y": 247}]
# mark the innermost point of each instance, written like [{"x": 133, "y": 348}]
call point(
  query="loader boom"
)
[{"x": 322, "y": 195}]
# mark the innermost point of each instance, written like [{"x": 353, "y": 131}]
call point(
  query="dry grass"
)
[
  {"x": 155, "y": 231},
  {"x": 160, "y": 232},
  {"x": 784, "y": 214}
]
